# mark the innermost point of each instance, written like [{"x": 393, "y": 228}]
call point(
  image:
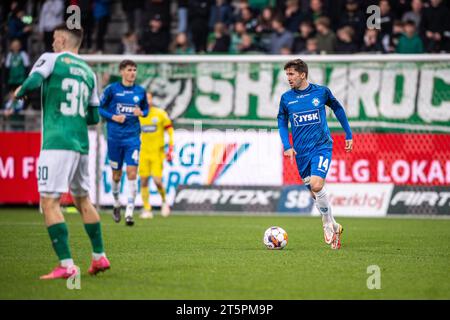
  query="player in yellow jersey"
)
[{"x": 152, "y": 155}]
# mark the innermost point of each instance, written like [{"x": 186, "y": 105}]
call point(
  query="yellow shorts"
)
[{"x": 151, "y": 165}]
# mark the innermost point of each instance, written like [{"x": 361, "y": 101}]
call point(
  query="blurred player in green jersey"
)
[{"x": 69, "y": 104}]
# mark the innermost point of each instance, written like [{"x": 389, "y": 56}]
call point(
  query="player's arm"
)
[
  {"x": 283, "y": 127},
  {"x": 168, "y": 127},
  {"x": 92, "y": 116},
  {"x": 143, "y": 109},
  {"x": 40, "y": 71},
  {"x": 339, "y": 111}
]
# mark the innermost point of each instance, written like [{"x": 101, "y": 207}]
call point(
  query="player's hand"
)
[
  {"x": 138, "y": 112},
  {"x": 16, "y": 92},
  {"x": 120, "y": 118},
  {"x": 169, "y": 155},
  {"x": 290, "y": 153},
  {"x": 348, "y": 145}
]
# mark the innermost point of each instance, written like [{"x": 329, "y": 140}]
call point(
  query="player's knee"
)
[
  {"x": 316, "y": 186},
  {"x": 117, "y": 175}
]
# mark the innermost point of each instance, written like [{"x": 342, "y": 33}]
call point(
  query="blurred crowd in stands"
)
[{"x": 222, "y": 27}]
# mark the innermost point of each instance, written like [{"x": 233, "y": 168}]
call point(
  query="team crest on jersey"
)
[
  {"x": 67, "y": 60},
  {"x": 136, "y": 99},
  {"x": 306, "y": 118},
  {"x": 315, "y": 102},
  {"x": 155, "y": 120}
]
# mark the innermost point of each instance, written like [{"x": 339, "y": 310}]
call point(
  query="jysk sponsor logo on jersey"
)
[
  {"x": 306, "y": 118},
  {"x": 125, "y": 108}
]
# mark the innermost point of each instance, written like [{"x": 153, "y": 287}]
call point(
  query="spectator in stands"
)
[
  {"x": 161, "y": 8},
  {"x": 293, "y": 16},
  {"x": 130, "y": 44},
  {"x": 236, "y": 36},
  {"x": 306, "y": 31},
  {"x": 399, "y": 8},
  {"x": 345, "y": 40},
  {"x": 386, "y": 18},
  {"x": 239, "y": 5},
  {"x": 52, "y": 14},
  {"x": 390, "y": 41},
  {"x": 17, "y": 29},
  {"x": 221, "y": 11},
  {"x": 182, "y": 13},
  {"x": 101, "y": 13},
  {"x": 415, "y": 14},
  {"x": 134, "y": 11},
  {"x": 264, "y": 28},
  {"x": 250, "y": 22},
  {"x": 371, "y": 42},
  {"x": 247, "y": 45},
  {"x": 285, "y": 51},
  {"x": 198, "y": 18},
  {"x": 326, "y": 39},
  {"x": 155, "y": 40},
  {"x": 221, "y": 39},
  {"x": 311, "y": 46},
  {"x": 354, "y": 17},
  {"x": 265, "y": 21},
  {"x": 316, "y": 9},
  {"x": 434, "y": 23},
  {"x": 410, "y": 41},
  {"x": 280, "y": 38},
  {"x": 17, "y": 63},
  {"x": 180, "y": 45}
]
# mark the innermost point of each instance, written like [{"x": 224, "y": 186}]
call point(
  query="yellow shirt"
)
[{"x": 152, "y": 130}]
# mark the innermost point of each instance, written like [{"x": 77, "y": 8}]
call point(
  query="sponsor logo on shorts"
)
[{"x": 306, "y": 118}]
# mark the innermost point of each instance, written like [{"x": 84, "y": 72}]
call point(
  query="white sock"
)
[
  {"x": 66, "y": 263},
  {"x": 324, "y": 207},
  {"x": 132, "y": 186},
  {"x": 116, "y": 193},
  {"x": 98, "y": 256}
]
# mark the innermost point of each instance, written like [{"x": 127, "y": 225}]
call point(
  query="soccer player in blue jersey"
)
[
  {"x": 304, "y": 107},
  {"x": 121, "y": 104}
]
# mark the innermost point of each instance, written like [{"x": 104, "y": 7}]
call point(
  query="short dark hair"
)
[
  {"x": 298, "y": 64},
  {"x": 76, "y": 33},
  {"x": 410, "y": 23},
  {"x": 125, "y": 63}
]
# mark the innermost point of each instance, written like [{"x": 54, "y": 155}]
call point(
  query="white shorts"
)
[{"x": 62, "y": 170}]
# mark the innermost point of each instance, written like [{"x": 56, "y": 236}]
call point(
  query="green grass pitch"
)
[{"x": 223, "y": 257}]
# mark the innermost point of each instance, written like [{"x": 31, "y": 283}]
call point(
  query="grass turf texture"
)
[{"x": 223, "y": 257}]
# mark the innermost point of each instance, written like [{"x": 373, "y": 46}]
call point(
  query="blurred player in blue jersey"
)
[
  {"x": 121, "y": 104},
  {"x": 304, "y": 107}
]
